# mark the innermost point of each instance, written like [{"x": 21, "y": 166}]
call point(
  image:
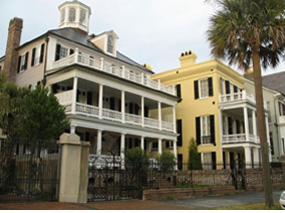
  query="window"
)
[
  {"x": 37, "y": 55},
  {"x": 203, "y": 88},
  {"x": 205, "y": 130},
  {"x": 72, "y": 14},
  {"x": 154, "y": 145},
  {"x": 62, "y": 52},
  {"x": 62, "y": 16},
  {"x": 110, "y": 45},
  {"x": 169, "y": 144},
  {"x": 23, "y": 62},
  {"x": 281, "y": 109},
  {"x": 209, "y": 161},
  {"x": 82, "y": 16}
]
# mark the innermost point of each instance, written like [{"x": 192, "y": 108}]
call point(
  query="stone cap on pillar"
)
[{"x": 72, "y": 139}]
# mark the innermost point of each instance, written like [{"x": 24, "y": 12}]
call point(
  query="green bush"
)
[
  {"x": 136, "y": 160},
  {"x": 167, "y": 161},
  {"x": 194, "y": 160}
]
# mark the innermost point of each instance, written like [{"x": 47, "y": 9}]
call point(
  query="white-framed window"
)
[
  {"x": 204, "y": 88},
  {"x": 82, "y": 16},
  {"x": 62, "y": 15},
  {"x": 110, "y": 44},
  {"x": 62, "y": 52},
  {"x": 169, "y": 144},
  {"x": 205, "y": 130},
  {"x": 23, "y": 62},
  {"x": 72, "y": 14}
]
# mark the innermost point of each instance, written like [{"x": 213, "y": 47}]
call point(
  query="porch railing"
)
[{"x": 239, "y": 138}]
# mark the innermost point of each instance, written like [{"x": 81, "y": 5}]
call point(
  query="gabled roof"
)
[{"x": 275, "y": 82}]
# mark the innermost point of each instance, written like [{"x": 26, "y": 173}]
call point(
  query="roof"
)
[
  {"x": 275, "y": 82},
  {"x": 83, "y": 39}
]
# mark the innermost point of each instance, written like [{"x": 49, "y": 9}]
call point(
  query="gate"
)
[
  {"x": 26, "y": 174},
  {"x": 111, "y": 182}
]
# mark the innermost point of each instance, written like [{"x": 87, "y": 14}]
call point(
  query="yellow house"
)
[{"x": 215, "y": 110}]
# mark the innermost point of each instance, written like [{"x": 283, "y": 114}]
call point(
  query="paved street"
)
[{"x": 187, "y": 204}]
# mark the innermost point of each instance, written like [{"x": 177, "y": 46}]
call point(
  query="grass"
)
[{"x": 257, "y": 206}]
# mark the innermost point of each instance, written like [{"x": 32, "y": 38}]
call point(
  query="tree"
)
[
  {"x": 194, "y": 160},
  {"x": 43, "y": 120},
  {"x": 251, "y": 32}
]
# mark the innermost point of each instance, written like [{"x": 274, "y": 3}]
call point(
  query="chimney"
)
[
  {"x": 188, "y": 58},
  {"x": 248, "y": 74},
  {"x": 13, "y": 41}
]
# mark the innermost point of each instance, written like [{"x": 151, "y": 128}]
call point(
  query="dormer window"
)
[
  {"x": 72, "y": 14},
  {"x": 110, "y": 46},
  {"x": 82, "y": 16}
]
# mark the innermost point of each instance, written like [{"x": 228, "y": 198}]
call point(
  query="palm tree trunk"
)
[{"x": 262, "y": 126}]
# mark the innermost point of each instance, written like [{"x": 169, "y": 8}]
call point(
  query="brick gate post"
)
[{"x": 74, "y": 169}]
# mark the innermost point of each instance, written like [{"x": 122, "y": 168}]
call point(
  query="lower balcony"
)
[{"x": 239, "y": 138}]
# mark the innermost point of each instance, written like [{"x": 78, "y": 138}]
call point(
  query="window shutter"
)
[
  {"x": 230, "y": 124},
  {"x": 178, "y": 90},
  {"x": 33, "y": 57},
  {"x": 71, "y": 51},
  {"x": 42, "y": 53},
  {"x": 146, "y": 112},
  {"x": 196, "y": 89},
  {"x": 179, "y": 131},
  {"x": 212, "y": 129},
  {"x": 214, "y": 163},
  {"x": 198, "y": 130},
  {"x": 137, "y": 107},
  {"x": 26, "y": 60},
  {"x": 238, "y": 127},
  {"x": 54, "y": 88},
  {"x": 228, "y": 89},
  {"x": 89, "y": 98},
  {"x": 19, "y": 64},
  {"x": 112, "y": 103},
  {"x": 57, "y": 52},
  {"x": 210, "y": 85},
  {"x": 120, "y": 105},
  {"x": 131, "y": 108},
  {"x": 235, "y": 89}
]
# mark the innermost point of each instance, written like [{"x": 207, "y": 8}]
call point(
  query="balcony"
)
[
  {"x": 65, "y": 99},
  {"x": 239, "y": 138},
  {"x": 282, "y": 119},
  {"x": 107, "y": 67}
]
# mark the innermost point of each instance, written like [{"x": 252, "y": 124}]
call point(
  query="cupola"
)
[{"x": 74, "y": 14}]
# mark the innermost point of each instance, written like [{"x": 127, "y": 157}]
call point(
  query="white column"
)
[
  {"x": 123, "y": 71},
  {"x": 159, "y": 84},
  {"x": 247, "y": 155},
  {"x": 76, "y": 54},
  {"x": 99, "y": 142},
  {"x": 256, "y": 157},
  {"x": 159, "y": 115},
  {"x": 175, "y": 152},
  {"x": 142, "y": 142},
  {"x": 75, "y": 86},
  {"x": 72, "y": 129},
  {"x": 102, "y": 64},
  {"x": 246, "y": 127},
  {"x": 100, "y": 105},
  {"x": 254, "y": 124},
  {"x": 174, "y": 119},
  {"x": 268, "y": 137},
  {"x": 142, "y": 110},
  {"x": 123, "y": 106},
  {"x": 123, "y": 150},
  {"x": 159, "y": 146}
]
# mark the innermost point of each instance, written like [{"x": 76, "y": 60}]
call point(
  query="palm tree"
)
[{"x": 251, "y": 32}]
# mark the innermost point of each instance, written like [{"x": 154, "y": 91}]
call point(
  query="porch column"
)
[
  {"x": 123, "y": 111},
  {"x": 100, "y": 105},
  {"x": 142, "y": 142},
  {"x": 142, "y": 110},
  {"x": 246, "y": 127},
  {"x": 268, "y": 137},
  {"x": 247, "y": 155},
  {"x": 254, "y": 124},
  {"x": 256, "y": 157},
  {"x": 174, "y": 119},
  {"x": 159, "y": 115},
  {"x": 159, "y": 146},
  {"x": 74, "y": 98},
  {"x": 99, "y": 142},
  {"x": 123, "y": 150},
  {"x": 175, "y": 152}
]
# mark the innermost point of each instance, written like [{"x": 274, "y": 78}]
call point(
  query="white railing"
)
[
  {"x": 65, "y": 97},
  {"x": 282, "y": 119},
  {"x": 105, "y": 66},
  {"x": 87, "y": 110},
  {"x": 167, "y": 126},
  {"x": 68, "y": 108},
  {"x": 151, "y": 123},
  {"x": 104, "y": 160},
  {"x": 239, "y": 138},
  {"x": 133, "y": 119},
  {"x": 111, "y": 115}
]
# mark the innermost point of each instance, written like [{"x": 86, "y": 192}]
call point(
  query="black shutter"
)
[
  {"x": 19, "y": 64},
  {"x": 196, "y": 89},
  {"x": 179, "y": 131},
  {"x": 212, "y": 129},
  {"x": 180, "y": 161},
  {"x": 42, "y": 53},
  {"x": 112, "y": 103},
  {"x": 235, "y": 89},
  {"x": 71, "y": 51},
  {"x": 54, "y": 88},
  {"x": 210, "y": 85},
  {"x": 230, "y": 124},
  {"x": 228, "y": 89},
  {"x": 146, "y": 112},
  {"x": 131, "y": 108},
  {"x": 238, "y": 127},
  {"x": 214, "y": 163},
  {"x": 57, "y": 52},
  {"x": 198, "y": 130},
  {"x": 120, "y": 105},
  {"x": 178, "y": 90},
  {"x": 26, "y": 60},
  {"x": 137, "y": 108},
  {"x": 33, "y": 57},
  {"x": 89, "y": 98}
]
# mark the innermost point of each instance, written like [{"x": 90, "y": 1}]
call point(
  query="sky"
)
[{"x": 150, "y": 31}]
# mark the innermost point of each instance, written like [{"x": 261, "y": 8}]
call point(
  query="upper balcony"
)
[
  {"x": 240, "y": 138},
  {"x": 107, "y": 67}
]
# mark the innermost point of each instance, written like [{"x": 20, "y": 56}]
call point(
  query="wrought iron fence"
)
[{"x": 27, "y": 173}]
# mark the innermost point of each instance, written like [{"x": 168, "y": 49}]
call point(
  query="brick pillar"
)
[
  {"x": 13, "y": 41},
  {"x": 74, "y": 169}
]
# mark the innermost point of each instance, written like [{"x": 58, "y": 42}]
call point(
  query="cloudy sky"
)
[{"x": 150, "y": 31}]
